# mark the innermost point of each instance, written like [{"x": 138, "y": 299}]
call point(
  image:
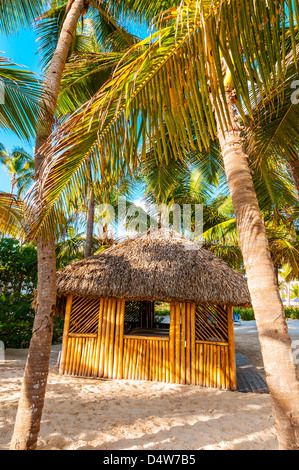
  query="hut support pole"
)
[
  {"x": 231, "y": 349},
  {"x": 65, "y": 333}
]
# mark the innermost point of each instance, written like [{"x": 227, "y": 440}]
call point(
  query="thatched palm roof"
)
[{"x": 160, "y": 265}]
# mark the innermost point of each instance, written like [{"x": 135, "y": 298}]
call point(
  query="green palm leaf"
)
[
  {"x": 11, "y": 212},
  {"x": 21, "y": 95},
  {"x": 167, "y": 84},
  {"x": 17, "y": 14}
]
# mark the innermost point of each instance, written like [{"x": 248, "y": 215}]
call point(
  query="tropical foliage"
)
[{"x": 181, "y": 117}]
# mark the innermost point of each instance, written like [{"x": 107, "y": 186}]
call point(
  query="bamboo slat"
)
[
  {"x": 153, "y": 338},
  {"x": 183, "y": 344},
  {"x": 188, "y": 344},
  {"x": 231, "y": 349},
  {"x": 193, "y": 357},
  {"x": 76, "y": 345},
  {"x": 177, "y": 343},
  {"x": 103, "y": 336},
  {"x": 111, "y": 339},
  {"x": 121, "y": 339},
  {"x": 65, "y": 334},
  {"x": 172, "y": 343}
]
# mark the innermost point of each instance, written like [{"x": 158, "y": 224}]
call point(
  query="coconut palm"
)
[
  {"x": 204, "y": 67},
  {"x": 295, "y": 291},
  {"x": 70, "y": 12},
  {"x": 19, "y": 165}
]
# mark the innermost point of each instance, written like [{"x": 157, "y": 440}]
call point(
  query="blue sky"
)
[{"x": 21, "y": 49}]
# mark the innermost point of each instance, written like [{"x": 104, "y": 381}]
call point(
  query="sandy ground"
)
[{"x": 123, "y": 415}]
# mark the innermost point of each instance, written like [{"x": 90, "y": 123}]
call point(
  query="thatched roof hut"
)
[
  {"x": 111, "y": 325},
  {"x": 161, "y": 265}
]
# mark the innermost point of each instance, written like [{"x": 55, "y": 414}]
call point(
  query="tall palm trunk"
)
[
  {"x": 90, "y": 216},
  {"x": 33, "y": 391},
  {"x": 13, "y": 183},
  {"x": 90, "y": 224},
  {"x": 282, "y": 372}
]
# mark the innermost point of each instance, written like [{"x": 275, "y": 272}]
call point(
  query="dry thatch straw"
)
[{"x": 160, "y": 265}]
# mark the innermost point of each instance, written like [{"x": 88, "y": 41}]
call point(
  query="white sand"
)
[{"x": 111, "y": 414}]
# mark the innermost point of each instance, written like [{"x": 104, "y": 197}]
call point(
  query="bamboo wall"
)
[{"x": 199, "y": 351}]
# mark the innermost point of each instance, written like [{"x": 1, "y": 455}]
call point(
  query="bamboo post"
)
[
  {"x": 79, "y": 356},
  {"x": 102, "y": 339},
  {"x": 218, "y": 367},
  {"x": 121, "y": 340},
  {"x": 147, "y": 357},
  {"x": 231, "y": 349},
  {"x": 183, "y": 344},
  {"x": 127, "y": 359},
  {"x": 82, "y": 356},
  {"x": 111, "y": 339},
  {"x": 188, "y": 344},
  {"x": 73, "y": 344},
  {"x": 177, "y": 343},
  {"x": 75, "y": 355},
  {"x": 67, "y": 319},
  {"x": 172, "y": 343},
  {"x": 208, "y": 366},
  {"x": 99, "y": 338},
  {"x": 107, "y": 338},
  {"x": 116, "y": 340},
  {"x": 193, "y": 353},
  {"x": 201, "y": 365}
]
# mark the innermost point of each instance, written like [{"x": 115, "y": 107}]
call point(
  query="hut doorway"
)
[{"x": 197, "y": 348}]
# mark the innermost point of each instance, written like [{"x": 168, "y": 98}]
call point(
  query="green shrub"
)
[
  {"x": 16, "y": 321},
  {"x": 292, "y": 312},
  {"x": 247, "y": 314},
  {"x": 18, "y": 278}
]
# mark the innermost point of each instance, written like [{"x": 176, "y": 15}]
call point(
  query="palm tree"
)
[
  {"x": 295, "y": 291},
  {"x": 63, "y": 35},
  {"x": 18, "y": 164},
  {"x": 206, "y": 66}
]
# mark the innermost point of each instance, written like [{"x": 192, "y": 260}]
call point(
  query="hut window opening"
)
[
  {"x": 211, "y": 323},
  {"x": 84, "y": 316},
  {"x": 146, "y": 318}
]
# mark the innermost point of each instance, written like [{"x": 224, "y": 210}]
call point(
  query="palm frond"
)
[
  {"x": 21, "y": 97},
  {"x": 11, "y": 212},
  {"x": 17, "y": 14},
  {"x": 174, "y": 82}
]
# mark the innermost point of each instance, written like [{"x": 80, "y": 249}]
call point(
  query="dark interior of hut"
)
[{"x": 143, "y": 318}]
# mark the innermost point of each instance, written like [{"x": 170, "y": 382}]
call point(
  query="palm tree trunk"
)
[
  {"x": 282, "y": 372},
  {"x": 90, "y": 224},
  {"x": 33, "y": 391},
  {"x": 13, "y": 183}
]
